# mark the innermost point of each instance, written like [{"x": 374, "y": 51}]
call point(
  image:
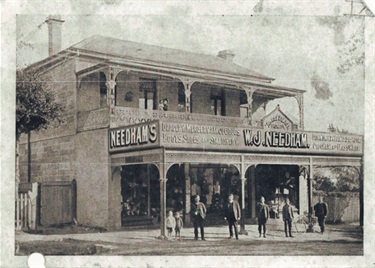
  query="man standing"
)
[
  {"x": 232, "y": 215},
  {"x": 288, "y": 217},
  {"x": 263, "y": 213},
  {"x": 321, "y": 211},
  {"x": 199, "y": 215}
]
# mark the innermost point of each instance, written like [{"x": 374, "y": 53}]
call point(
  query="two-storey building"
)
[{"x": 147, "y": 128}]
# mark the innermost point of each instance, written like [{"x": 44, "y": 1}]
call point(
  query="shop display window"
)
[{"x": 140, "y": 191}]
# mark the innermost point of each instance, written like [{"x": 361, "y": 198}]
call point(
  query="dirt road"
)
[{"x": 337, "y": 240}]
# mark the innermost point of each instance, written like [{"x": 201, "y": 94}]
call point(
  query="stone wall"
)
[
  {"x": 92, "y": 163},
  {"x": 51, "y": 160},
  {"x": 232, "y": 103},
  {"x": 88, "y": 97},
  {"x": 52, "y": 149},
  {"x": 201, "y": 99},
  {"x": 127, "y": 83}
]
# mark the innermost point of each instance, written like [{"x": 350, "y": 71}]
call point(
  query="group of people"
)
[
  {"x": 263, "y": 216},
  {"x": 321, "y": 211},
  {"x": 232, "y": 214},
  {"x": 174, "y": 223}
]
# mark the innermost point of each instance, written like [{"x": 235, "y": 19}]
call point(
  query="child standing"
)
[
  {"x": 170, "y": 223},
  {"x": 179, "y": 225}
]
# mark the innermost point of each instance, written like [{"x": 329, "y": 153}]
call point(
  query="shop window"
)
[
  {"x": 140, "y": 191},
  {"x": 213, "y": 184},
  {"x": 148, "y": 97},
  {"x": 175, "y": 189}
]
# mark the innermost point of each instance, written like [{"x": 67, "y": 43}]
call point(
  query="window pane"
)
[
  {"x": 213, "y": 110},
  {"x": 141, "y": 103},
  {"x": 218, "y": 107},
  {"x": 150, "y": 104}
]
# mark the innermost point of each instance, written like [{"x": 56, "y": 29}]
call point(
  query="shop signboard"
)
[
  {"x": 139, "y": 136},
  {"x": 239, "y": 139},
  {"x": 179, "y": 135}
]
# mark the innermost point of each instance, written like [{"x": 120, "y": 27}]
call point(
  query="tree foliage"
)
[
  {"x": 36, "y": 107},
  {"x": 337, "y": 179},
  {"x": 347, "y": 179},
  {"x": 323, "y": 183}
]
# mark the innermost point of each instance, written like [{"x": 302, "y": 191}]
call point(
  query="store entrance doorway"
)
[{"x": 276, "y": 183}]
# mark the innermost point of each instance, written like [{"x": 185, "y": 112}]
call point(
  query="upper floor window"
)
[
  {"x": 217, "y": 102},
  {"x": 103, "y": 90},
  {"x": 148, "y": 96},
  {"x": 216, "y": 105},
  {"x": 181, "y": 97}
]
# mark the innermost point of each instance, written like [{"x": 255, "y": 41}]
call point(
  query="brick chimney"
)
[
  {"x": 54, "y": 34},
  {"x": 226, "y": 55}
]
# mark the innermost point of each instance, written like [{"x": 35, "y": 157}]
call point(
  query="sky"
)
[{"x": 319, "y": 54}]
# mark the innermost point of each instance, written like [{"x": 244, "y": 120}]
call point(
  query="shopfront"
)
[{"x": 166, "y": 164}]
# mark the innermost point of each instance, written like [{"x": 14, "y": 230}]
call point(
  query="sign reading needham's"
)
[
  {"x": 138, "y": 136},
  {"x": 206, "y": 137}
]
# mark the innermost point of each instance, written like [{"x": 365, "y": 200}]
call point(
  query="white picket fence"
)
[{"x": 26, "y": 209}]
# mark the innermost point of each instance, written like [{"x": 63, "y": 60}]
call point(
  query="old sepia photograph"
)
[{"x": 183, "y": 134}]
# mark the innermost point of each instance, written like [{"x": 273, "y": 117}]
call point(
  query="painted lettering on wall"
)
[
  {"x": 275, "y": 139},
  {"x": 328, "y": 142},
  {"x": 129, "y": 136}
]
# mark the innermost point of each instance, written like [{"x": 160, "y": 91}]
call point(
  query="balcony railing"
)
[{"x": 128, "y": 116}]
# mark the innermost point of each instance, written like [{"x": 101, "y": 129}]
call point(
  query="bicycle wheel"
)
[{"x": 300, "y": 225}]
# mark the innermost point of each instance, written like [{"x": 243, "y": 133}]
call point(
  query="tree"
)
[
  {"x": 323, "y": 183},
  {"x": 36, "y": 107},
  {"x": 337, "y": 179},
  {"x": 347, "y": 179}
]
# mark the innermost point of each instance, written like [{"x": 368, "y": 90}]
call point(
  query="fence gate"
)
[{"x": 57, "y": 202}]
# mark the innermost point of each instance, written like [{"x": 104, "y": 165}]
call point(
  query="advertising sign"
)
[
  {"x": 206, "y": 137},
  {"x": 258, "y": 140},
  {"x": 143, "y": 135}
]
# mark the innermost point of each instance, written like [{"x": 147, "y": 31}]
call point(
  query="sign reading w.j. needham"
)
[{"x": 206, "y": 137}]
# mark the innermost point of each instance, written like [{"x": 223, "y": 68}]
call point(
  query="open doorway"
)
[{"x": 276, "y": 183}]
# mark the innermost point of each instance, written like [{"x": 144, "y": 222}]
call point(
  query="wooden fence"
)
[
  {"x": 26, "y": 206},
  {"x": 57, "y": 202},
  {"x": 45, "y": 204},
  {"x": 342, "y": 206}
]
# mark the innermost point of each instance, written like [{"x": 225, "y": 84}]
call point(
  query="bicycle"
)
[{"x": 302, "y": 223}]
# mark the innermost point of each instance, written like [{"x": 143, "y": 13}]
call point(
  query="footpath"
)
[{"x": 343, "y": 233}]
